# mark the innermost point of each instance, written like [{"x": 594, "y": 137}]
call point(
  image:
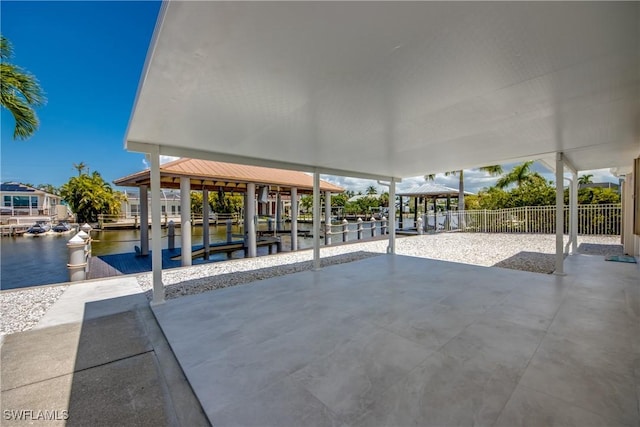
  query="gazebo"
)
[
  {"x": 204, "y": 175},
  {"x": 428, "y": 190}
]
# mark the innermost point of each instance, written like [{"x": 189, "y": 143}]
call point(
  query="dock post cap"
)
[
  {"x": 86, "y": 228},
  {"x": 76, "y": 240},
  {"x": 83, "y": 235}
]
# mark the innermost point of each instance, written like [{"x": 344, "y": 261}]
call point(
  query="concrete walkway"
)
[{"x": 97, "y": 358}]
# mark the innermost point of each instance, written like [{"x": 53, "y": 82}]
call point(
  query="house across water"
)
[{"x": 22, "y": 204}]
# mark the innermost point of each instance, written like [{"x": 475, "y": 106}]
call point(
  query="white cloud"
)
[
  {"x": 163, "y": 160},
  {"x": 167, "y": 159}
]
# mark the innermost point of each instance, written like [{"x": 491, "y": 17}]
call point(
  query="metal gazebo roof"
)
[{"x": 431, "y": 189}]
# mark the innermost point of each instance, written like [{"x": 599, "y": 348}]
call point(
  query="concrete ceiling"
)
[{"x": 392, "y": 89}]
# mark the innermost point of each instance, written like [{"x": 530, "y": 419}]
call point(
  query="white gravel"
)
[
  {"x": 22, "y": 309},
  {"x": 528, "y": 252}
]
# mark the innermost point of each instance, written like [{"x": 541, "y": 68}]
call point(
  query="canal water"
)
[{"x": 32, "y": 261}]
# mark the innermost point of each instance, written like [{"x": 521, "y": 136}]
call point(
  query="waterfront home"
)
[{"x": 21, "y": 203}]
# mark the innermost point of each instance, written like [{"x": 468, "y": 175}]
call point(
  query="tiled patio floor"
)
[{"x": 400, "y": 341}]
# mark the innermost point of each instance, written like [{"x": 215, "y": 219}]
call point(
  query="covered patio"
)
[
  {"x": 399, "y": 341},
  {"x": 383, "y": 91}
]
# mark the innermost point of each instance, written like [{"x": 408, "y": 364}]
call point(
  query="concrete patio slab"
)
[{"x": 397, "y": 340}]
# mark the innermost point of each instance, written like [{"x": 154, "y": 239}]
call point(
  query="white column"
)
[
  {"x": 327, "y": 217},
  {"x": 185, "y": 219},
  {"x": 205, "y": 222},
  {"x": 156, "y": 223},
  {"x": 250, "y": 212},
  {"x": 144, "y": 220},
  {"x": 559, "y": 215},
  {"x": 316, "y": 221},
  {"x": 573, "y": 211},
  {"x": 391, "y": 248},
  {"x": 278, "y": 211},
  {"x": 294, "y": 219}
]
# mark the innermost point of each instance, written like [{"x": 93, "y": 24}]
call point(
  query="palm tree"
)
[
  {"x": 518, "y": 175},
  {"x": 20, "y": 92},
  {"x": 585, "y": 179},
  {"x": 80, "y": 167},
  {"x": 492, "y": 170},
  {"x": 372, "y": 190}
]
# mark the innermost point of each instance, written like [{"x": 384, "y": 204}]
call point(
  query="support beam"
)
[
  {"x": 205, "y": 222},
  {"x": 144, "y": 220},
  {"x": 185, "y": 220},
  {"x": 391, "y": 248},
  {"x": 559, "y": 215},
  {"x": 316, "y": 221},
  {"x": 156, "y": 223},
  {"x": 294, "y": 219},
  {"x": 573, "y": 211},
  {"x": 250, "y": 212}
]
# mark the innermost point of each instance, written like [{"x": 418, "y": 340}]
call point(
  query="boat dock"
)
[
  {"x": 132, "y": 263},
  {"x": 11, "y": 230}
]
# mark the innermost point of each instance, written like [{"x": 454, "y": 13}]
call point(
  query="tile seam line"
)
[
  {"x": 546, "y": 332},
  {"x": 569, "y": 403},
  {"x": 79, "y": 370}
]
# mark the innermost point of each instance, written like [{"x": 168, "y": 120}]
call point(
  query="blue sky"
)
[{"x": 88, "y": 57}]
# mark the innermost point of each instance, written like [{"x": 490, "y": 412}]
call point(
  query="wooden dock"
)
[
  {"x": 13, "y": 230},
  {"x": 132, "y": 263}
]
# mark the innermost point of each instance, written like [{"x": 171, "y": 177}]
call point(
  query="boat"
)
[
  {"x": 62, "y": 228},
  {"x": 40, "y": 228}
]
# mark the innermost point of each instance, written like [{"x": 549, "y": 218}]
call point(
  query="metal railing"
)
[{"x": 592, "y": 220}]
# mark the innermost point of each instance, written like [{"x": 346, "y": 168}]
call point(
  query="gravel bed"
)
[
  {"x": 527, "y": 252},
  {"x": 207, "y": 277},
  {"x": 22, "y": 309}
]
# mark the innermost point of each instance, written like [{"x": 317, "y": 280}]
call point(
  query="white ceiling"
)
[{"x": 393, "y": 89}]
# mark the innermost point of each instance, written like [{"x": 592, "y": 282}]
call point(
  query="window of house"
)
[{"x": 7, "y": 201}]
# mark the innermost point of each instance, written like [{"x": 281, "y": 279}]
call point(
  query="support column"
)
[
  {"x": 278, "y": 212},
  {"x": 559, "y": 215},
  {"x": 327, "y": 217},
  {"x": 573, "y": 208},
  {"x": 205, "y": 222},
  {"x": 400, "y": 222},
  {"x": 415, "y": 210},
  {"x": 316, "y": 221},
  {"x": 294, "y": 219},
  {"x": 144, "y": 221},
  {"x": 185, "y": 219},
  {"x": 250, "y": 212},
  {"x": 156, "y": 232},
  {"x": 391, "y": 248}
]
